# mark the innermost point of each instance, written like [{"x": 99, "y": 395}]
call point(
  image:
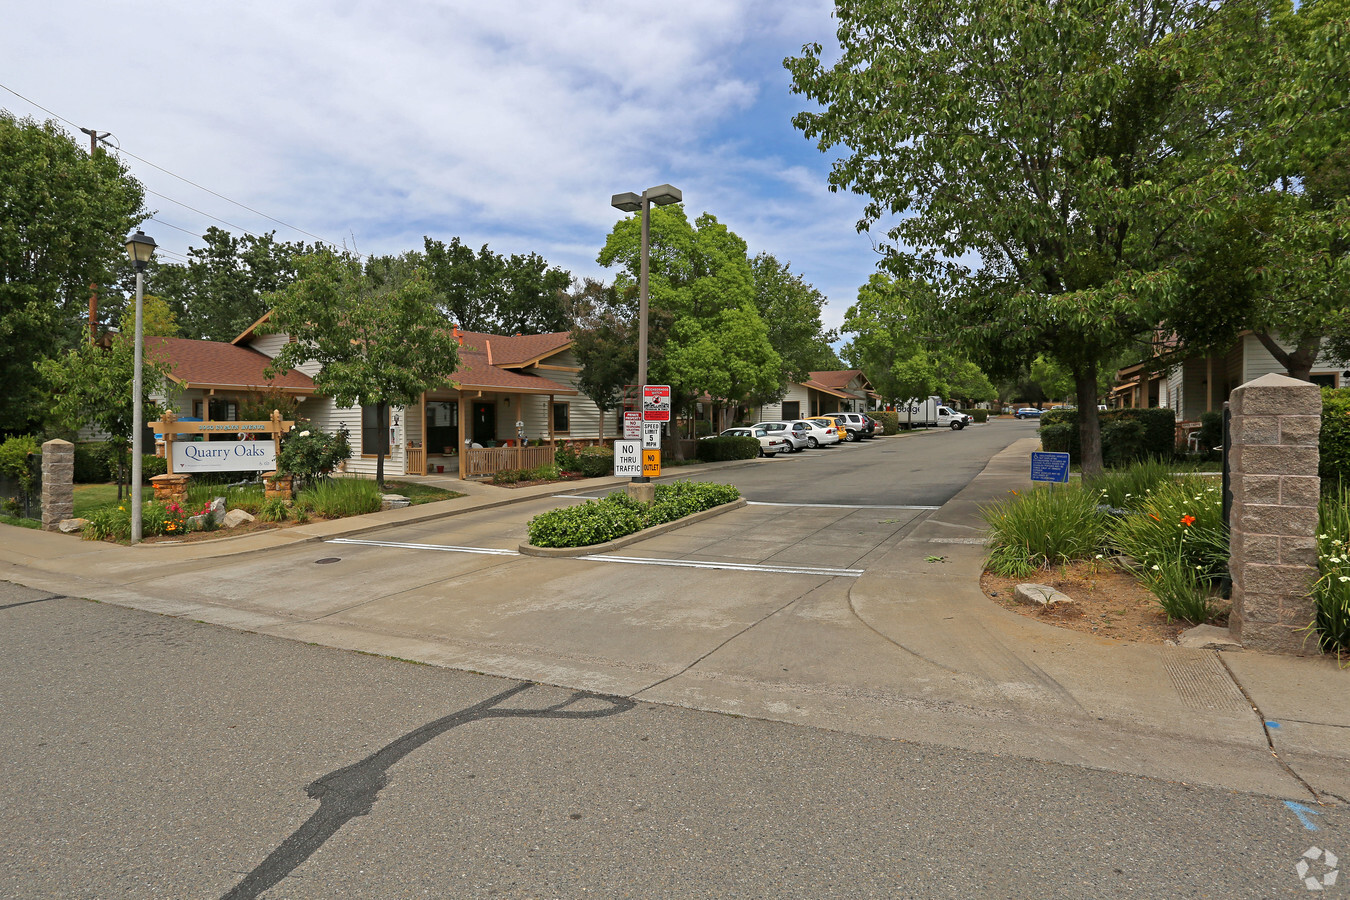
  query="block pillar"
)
[
  {"x": 1273, "y": 542},
  {"x": 58, "y": 483}
]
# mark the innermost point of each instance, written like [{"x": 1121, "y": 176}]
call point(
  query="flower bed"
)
[{"x": 618, "y": 515}]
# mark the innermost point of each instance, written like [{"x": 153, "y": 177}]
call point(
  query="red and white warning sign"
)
[{"x": 656, "y": 403}]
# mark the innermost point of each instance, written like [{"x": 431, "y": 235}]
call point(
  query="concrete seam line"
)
[
  {"x": 1265, "y": 729},
  {"x": 619, "y": 543}
]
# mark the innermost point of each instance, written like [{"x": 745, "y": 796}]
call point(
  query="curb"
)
[{"x": 635, "y": 537}]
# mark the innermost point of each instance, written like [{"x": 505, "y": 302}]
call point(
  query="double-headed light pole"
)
[
  {"x": 661, "y": 195},
  {"x": 140, "y": 247}
]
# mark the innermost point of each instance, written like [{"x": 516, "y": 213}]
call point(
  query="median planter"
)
[
  {"x": 617, "y": 516},
  {"x": 644, "y": 534}
]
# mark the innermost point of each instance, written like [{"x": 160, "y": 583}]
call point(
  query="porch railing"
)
[
  {"x": 416, "y": 464},
  {"x": 491, "y": 460}
]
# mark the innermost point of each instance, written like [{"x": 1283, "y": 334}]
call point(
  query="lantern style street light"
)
[{"x": 140, "y": 247}]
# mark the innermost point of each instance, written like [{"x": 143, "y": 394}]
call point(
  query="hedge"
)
[
  {"x": 593, "y": 462},
  {"x": 719, "y": 449},
  {"x": 1334, "y": 440},
  {"x": 889, "y": 419},
  {"x": 1151, "y": 434},
  {"x": 980, "y": 415},
  {"x": 91, "y": 464},
  {"x": 618, "y": 515}
]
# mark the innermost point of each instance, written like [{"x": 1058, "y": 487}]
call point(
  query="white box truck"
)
[{"x": 930, "y": 413}]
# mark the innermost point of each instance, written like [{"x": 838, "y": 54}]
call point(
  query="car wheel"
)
[
  {"x": 850, "y": 436},
  {"x": 957, "y": 426},
  {"x": 812, "y": 443}
]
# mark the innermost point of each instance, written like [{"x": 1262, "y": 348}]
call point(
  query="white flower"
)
[
  {"x": 304, "y": 434},
  {"x": 1344, "y": 578},
  {"x": 1157, "y": 568}
]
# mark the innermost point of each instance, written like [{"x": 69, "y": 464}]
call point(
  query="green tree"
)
[
  {"x": 377, "y": 333},
  {"x": 222, "y": 289},
  {"x": 604, "y": 339},
  {"x": 705, "y": 332},
  {"x": 791, "y": 309},
  {"x": 1063, "y": 145},
  {"x": 92, "y": 385},
  {"x": 64, "y": 218},
  {"x": 488, "y": 292},
  {"x": 157, "y": 318}
]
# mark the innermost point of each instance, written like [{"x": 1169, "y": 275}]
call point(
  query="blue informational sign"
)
[{"x": 1050, "y": 467}]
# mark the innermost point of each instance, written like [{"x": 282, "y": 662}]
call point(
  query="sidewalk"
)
[{"x": 912, "y": 650}]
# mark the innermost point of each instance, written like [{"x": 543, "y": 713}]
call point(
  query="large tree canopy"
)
[
  {"x": 1064, "y": 145},
  {"x": 376, "y": 332},
  {"x": 64, "y": 219},
  {"x": 488, "y": 292},
  {"x": 706, "y": 334},
  {"x": 221, "y": 290},
  {"x": 791, "y": 309}
]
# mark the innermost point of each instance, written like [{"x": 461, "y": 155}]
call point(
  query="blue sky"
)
[{"x": 507, "y": 123}]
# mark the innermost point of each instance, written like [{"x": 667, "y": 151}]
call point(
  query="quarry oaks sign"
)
[{"x": 190, "y": 457}]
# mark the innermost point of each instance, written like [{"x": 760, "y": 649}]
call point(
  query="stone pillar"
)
[
  {"x": 58, "y": 483},
  {"x": 1273, "y": 544},
  {"x": 171, "y": 488},
  {"x": 276, "y": 486}
]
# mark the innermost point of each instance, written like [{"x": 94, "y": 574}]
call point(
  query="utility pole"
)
[{"x": 94, "y": 138}]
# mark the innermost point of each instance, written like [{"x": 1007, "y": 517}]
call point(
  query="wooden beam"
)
[
  {"x": 552, "y": 368},
  {"x": 464, "y": 423}
]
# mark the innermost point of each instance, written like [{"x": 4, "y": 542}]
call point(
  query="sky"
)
[{"x": 510, "y": 122}]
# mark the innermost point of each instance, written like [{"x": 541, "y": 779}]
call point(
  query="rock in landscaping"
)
[
  {"x": 236, "y": 517},
  {"x": 1207, "y": 637},
  {"x": 393, "y": 501},
  {"x": 70, "y": 526},
  {"x": 217, "y": 510},
  {"x": 1040, "y": 595}
]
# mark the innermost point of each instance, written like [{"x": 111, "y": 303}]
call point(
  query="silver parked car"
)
[
  {"x": 796, "y": 437},
  {"x": 817, "y": 434}
]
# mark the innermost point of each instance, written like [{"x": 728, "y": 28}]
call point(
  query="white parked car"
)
[
  {"x": 817, "y": 434},
  {"x": 796, "y": 436},
  {"x": 770, "y": 445}
]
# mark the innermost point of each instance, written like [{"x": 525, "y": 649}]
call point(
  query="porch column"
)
[
  {"x": 548, "y": 419},
  {"x": 464, "y": 426},
  {"x": 422, "y": 414},
  {"x": 1209, "y": 384}
]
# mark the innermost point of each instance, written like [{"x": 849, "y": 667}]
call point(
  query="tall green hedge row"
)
[
  {"x": 718, "y": 449},
  {"x": 1335, "y": 437},
  {"x": 1127, "y": 434}
]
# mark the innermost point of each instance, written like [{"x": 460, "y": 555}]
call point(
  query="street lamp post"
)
[
  {"x": 140, "y": 248},
  {"x": 661, "y": 195}
]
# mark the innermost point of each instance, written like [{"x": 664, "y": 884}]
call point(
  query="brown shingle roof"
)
[
  {"x": 207, "y": 364},
  {"x": 475, "y": 373},
  {"x": 519, "y": 349}
]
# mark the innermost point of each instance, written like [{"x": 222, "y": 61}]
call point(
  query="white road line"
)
[
  {"x": 734, "y": 567},
  {"x": 630, "y": 560},
  {"x": 836, "y": 505},
  {"x": 443, "y": 547}
]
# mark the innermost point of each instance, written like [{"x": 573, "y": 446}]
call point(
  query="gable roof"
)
[
  {"x": 214, "y": 364},
  {"x": 516, "y": 351},
  {"x": 836, "y": 383},
  {"x": 474, "y": 373}
]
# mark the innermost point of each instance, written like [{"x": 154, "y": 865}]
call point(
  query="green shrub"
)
[
  {"x": 617, "y": 515},
  {"x": 1211, "y": 435},
  {"x": 106, "y": 523},
  {"x": 201, "y": 491},
  {"x": 889, "y": 419},
  {"x": 1180, "y": 541},
  {"x": 91, "y": 464},
  {"x": 336, "y": 498},
  {"x": 592, "y": 462},
  {"x": 1043, "y": 527},
  {"x": 1334, "y": 441},
  {"x": 979, "y": 415},
  {"x": 1122, "y": 442},
  {"x": 1331, "y": 593},
  {"x": 309, "y": 453},
  {"x": 507, "y": 476},
  {"x": 274, "y": 509},
  {"x": 21, "y": 462},
  {"x": 1130, "y": 487},
  {"x": 152, "y": 465},
  {"x": 702, "y": 428},
  {"x": 1157, "y": 438},
  {"x": 718, "y": 449}
]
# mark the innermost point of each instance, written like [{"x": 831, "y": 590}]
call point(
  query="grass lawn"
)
[
  {"x": 420, "y": 493},
  {"x": 89, "y": 497},
  {"x": 20, "y": 522}
]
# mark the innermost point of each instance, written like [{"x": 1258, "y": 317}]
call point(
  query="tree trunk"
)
[
  {"x": 1089, "y": 425},
  {"x": 1298, "y": 363}
]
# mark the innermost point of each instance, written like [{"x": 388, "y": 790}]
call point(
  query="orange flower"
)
[
  {"x": 1188, "y": 521},
  {"x": 1154, "y": 518}
]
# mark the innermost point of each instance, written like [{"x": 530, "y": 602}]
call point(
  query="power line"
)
[
  {"x": 199, "y": 187},
  {"x": 201, "y": 213}
]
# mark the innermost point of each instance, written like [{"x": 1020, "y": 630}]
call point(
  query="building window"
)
[
  {"x": 1328, "y": 380},
  {"x": 561, "y": 415},
  {"x": 374, "y": 439},
  {"x": 792, "y": 409},
  {"x": 218, "y": 410}
]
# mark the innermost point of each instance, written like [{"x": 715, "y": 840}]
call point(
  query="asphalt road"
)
[
  {"x": 148, "y": 756},
  {"x": 924, "y": 468}
]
